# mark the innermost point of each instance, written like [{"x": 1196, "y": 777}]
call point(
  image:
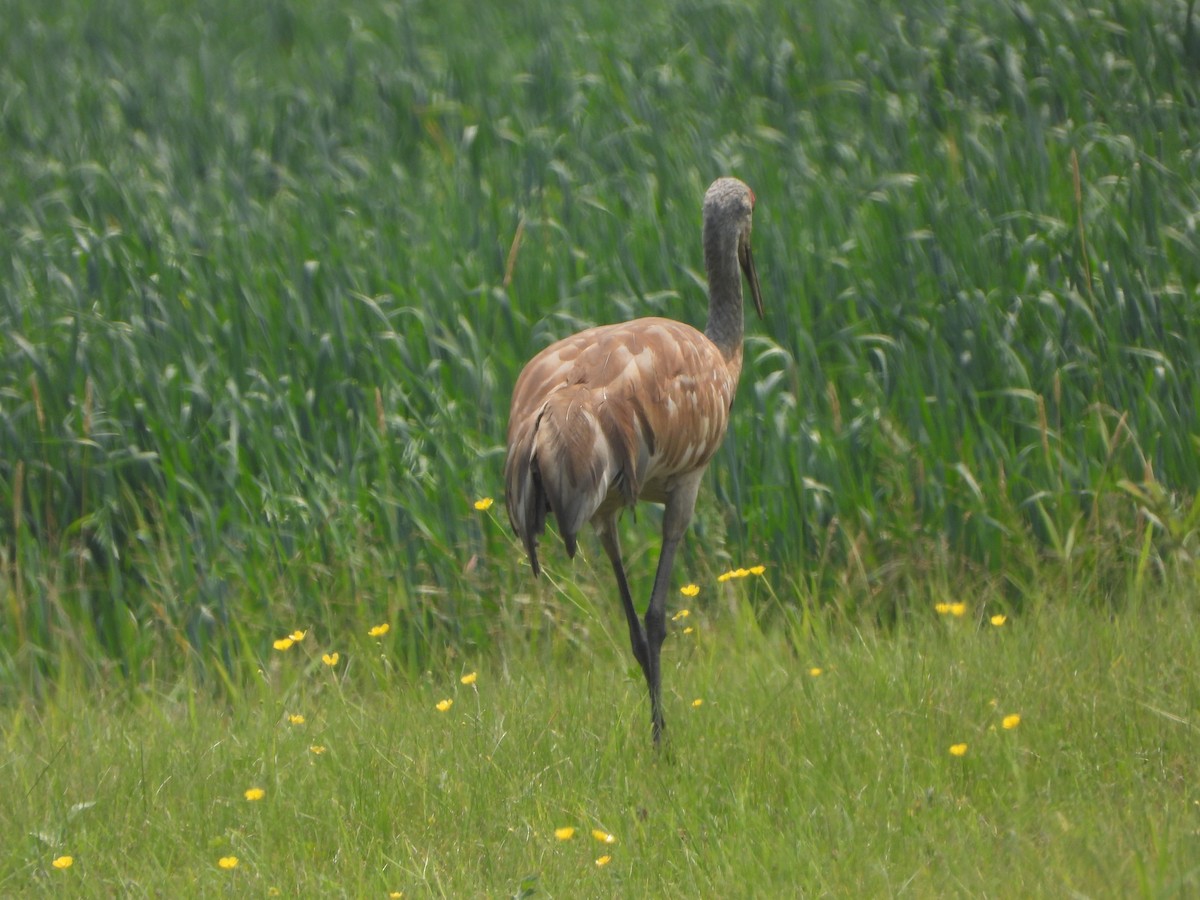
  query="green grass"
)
[
  {"x": 267, "y": 276},
  {"x": 781, "y": 783}
]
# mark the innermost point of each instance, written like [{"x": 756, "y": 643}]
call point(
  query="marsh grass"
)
[{"x": 267, "y": 279}]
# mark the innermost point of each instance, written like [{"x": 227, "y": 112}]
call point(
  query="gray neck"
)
[{"x": 725, "y": 318}]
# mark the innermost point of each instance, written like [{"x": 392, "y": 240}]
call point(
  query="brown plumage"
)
[{"x": 628, "y": 412}]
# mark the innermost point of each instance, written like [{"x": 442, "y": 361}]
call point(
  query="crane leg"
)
[
  {"x": 646, "y": 637},
  {"x": 607, "y": 532},
  {"x": 656, "y": 633},
  {"x": 677, "y": 514}
]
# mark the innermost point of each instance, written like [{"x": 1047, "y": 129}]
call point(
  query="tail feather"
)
[
  {"x": 524, "y": 497},
  {"x": 564, "y": 459}
]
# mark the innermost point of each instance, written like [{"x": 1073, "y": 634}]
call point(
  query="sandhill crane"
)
[{"x": 634, "y": 411}]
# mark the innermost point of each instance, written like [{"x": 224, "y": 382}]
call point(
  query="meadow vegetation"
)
[
  {"x": 267, "y": 275},
  {"x": 818, "y": 761}
]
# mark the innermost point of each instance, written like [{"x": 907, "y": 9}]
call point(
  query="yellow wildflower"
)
[
  {"x": 741, "y": 573},
  {"x": 603, "y": 836},
  {"x": 1012, "y": 721},
  {"x": 469, "y": 678},
  {"x": 283, "y": 644},
  {"x": 999, "y": 620},
  {"x": 395, "y": 895},
  {"x": 958, "y": 609},
  {"x": 379, "y": 630},
  {"x": 564, "y": 834},
  {"x": 228, "y": 862},
  {"x": 444, "y": 705},
  {"x": 815, "y": 671},
  {"x": 697, "y": 702},
  {"x": 330, "y": 659},
  {"x": 255, "y": 793},
  {"x": 317, "y": 749},
  {"x": 942, "y": 609},
  {"x": 296, "y": 719},
  {"x": 689, "y": 590},
  {"x": 682, "y": 614},
  {"x": 688, "y": 630},
  {"x": 63, "y": 862},
  {"x": 483, "y": 503},
  {"x": 958, "y": 749},
  {"x": 297, "y": 636},
  {"x": 603, "y": 861}
]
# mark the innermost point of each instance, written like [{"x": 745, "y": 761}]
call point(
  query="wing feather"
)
[{"x": 608, "y": 416}]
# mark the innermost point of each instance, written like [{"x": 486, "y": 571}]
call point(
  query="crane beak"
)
[{"x": 746, "y": 258}]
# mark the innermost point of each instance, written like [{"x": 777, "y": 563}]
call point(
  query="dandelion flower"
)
[
  {"x": 603, "y": 836},
  {"x": 815, "y": 671},
  {"x": 689, "y": 590},
  {"x": 603, "y": 861},
  {"x": 255, "y": 793},
  {"x": 564, "y": 834},
  {"x": 297, "y": 636},
  {"x": 379, "y": 630},
  {"x": 63, "y": 862},
  {"x": 958, "y": 749},
  {"x": 958, "y": 609},
  {"x": 330, "y": 659},
  {"x": 469, "y": 678},
  {"x": 688, "y": 630},
  {"x": 1012, "y": 721},
  {"x": 317, "y": 749},
  {"x": 757, "y": 570},
  {"x": 296, "y": 719},
  {"x": 682, "y": 614},
  {"x": 228, "y": 862},
  {"x": 444, "y": 705},
  {"x": 999, "y": 620},
  {"x": 697, "y": 702},
  {"x": 283, "y": 644},
  {"x": 484, "y": 503}
]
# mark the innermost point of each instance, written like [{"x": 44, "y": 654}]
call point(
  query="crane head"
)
[{"x": 728, "y": 212}]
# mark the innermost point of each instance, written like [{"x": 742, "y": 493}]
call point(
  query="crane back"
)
[{"x": 609, "y": 416}]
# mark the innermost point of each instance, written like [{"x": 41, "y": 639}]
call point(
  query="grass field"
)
[
  {"x": 818, "y": 762},
  {"x": 267, "y": 276}
]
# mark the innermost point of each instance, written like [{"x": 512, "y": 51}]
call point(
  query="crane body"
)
[{"x": 633, "y": 411}]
